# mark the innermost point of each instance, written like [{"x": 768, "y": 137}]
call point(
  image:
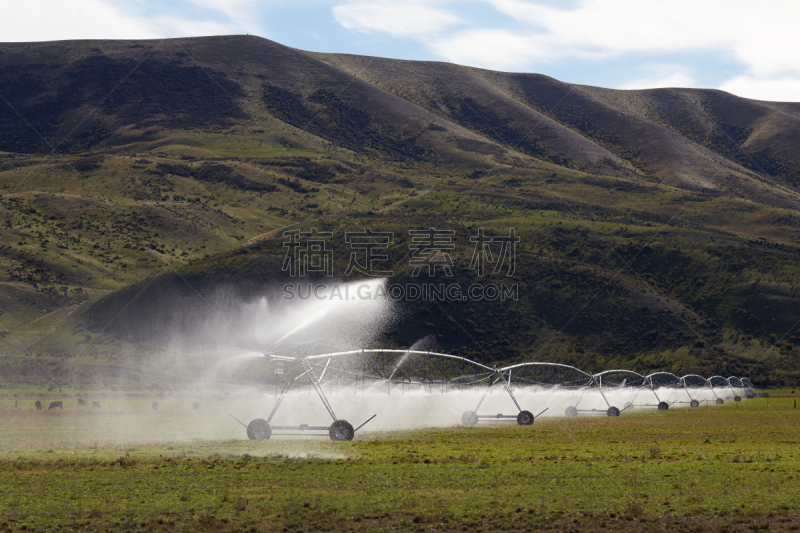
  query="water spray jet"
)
[{"x": 387, "y": 372}]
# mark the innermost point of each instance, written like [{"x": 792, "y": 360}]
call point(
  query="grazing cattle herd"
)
[{"x": 95, "y": 404}]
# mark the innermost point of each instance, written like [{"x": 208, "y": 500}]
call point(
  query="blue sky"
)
[{"x": 745, "y": 48}]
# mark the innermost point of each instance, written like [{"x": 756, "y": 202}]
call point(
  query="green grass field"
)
[{"x": 728, "y": 468}]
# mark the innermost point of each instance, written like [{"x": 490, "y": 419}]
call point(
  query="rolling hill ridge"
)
[{"x": 659, "y": 228}]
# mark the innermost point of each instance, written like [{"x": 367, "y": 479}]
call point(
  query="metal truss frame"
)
[{"x": 426, "y": 370}]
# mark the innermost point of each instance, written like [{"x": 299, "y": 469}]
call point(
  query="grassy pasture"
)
[{"x": 728, "y": 468}]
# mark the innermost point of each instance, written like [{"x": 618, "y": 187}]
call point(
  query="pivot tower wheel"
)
[
  {"x": 525, "y": 418},
  {"x": 341, "y": 430},
  {"x": 258, "y": 429},
  {"x": 663, "y": 406},
  {"x": 612, "y": 411},
  {"x": 720, "y": 401},
  {"x": 469, "y": 418},
  {"x": 749, "y": 396},
  {"x": 571, "y": 411},
  {"x": 694, "y": 403},
  {"x": 737, "y": 398}
]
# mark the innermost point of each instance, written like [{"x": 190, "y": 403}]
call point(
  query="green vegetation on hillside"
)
[{"x": 639, "y": 247}]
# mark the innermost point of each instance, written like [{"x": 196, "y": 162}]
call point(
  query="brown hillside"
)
[{"x": 690, "y": 139}]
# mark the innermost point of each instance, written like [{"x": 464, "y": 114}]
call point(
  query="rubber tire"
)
[
  {"x": 612, "y": 411},
  {"x": 525, "y": 418},
  {"x": 628, "y": 406},
  {"x": 259, "y": 429},
  {"x": 341, "y": 430},
  {"x": 663, "y": 406},
  {"x": 737, "y": 398},
  {"x": 694, "y": 403},
  {"x": 750, "y": 396},
  {"x": 571, "y": 411},
  {"x": 469, "y": 418},
  {"x": 720, "y": 401}
]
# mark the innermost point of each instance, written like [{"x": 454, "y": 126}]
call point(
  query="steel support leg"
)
[
  {"x": 280, "y": 399},
  {"x": 508, "y": 388},
  {"x": 689, "y": 394},
  {"x": 310, "y": 371},
  {"x": 655, "y": 394},
  {"x": 600, "y": 390}
]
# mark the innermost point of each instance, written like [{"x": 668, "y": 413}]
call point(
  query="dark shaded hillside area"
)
[{"x": 146, "y": 188}]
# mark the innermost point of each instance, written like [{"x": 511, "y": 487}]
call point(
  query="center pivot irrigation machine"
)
[
  {"x": 385, "y": 371},
  {"x": 628, "y": 384},
  {"x": 399, "y": 371}
]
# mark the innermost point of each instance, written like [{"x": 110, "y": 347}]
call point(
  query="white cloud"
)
[
  {"x": 775, "y": 89},
  {"x": 492, "y": 49},
  {"x": 412, "y": 18},
  {"x": 659, "y": 76},
  {"x": 763, "y": 39},
  {"x": 50, "y": 20},
  {"x": 239, "y": 12},
  {"x": 582, "y": 30}
]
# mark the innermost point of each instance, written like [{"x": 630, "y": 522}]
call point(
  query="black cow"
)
[
  {"x": 155, "y": 406},
  {"x": 38, "y": 405},
  {"x": 96, "y": 405},
  {"x": 56, "y": 405},
  {"x": 81, "y": 402}
]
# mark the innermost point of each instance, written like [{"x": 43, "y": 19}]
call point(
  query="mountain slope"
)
[
  {"x": 140, "y": 179},
  {"x": 648, "y": 130},
  {"x": 108, "y": 94}
]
